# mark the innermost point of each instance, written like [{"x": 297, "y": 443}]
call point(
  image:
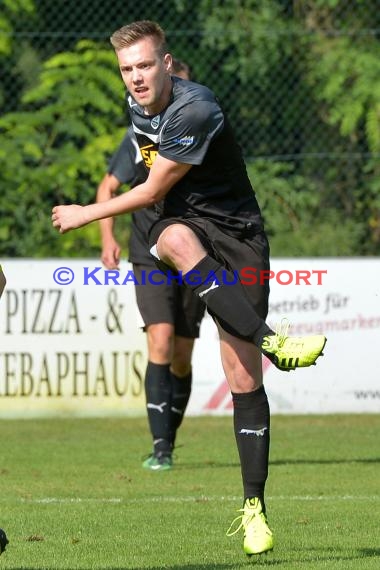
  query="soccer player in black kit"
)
[
  {"x": 171, "y": 313},
  {"x": 210, "y": 228}
]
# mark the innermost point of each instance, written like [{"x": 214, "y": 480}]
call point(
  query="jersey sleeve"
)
[
  {"x": 123, "y": 164},
  {"x": 187, "y": 134}
]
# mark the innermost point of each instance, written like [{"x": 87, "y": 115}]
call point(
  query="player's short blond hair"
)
[{"x": 136, "y": 31}]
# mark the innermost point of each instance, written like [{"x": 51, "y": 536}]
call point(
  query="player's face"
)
[{"x": 146, "y": 74}]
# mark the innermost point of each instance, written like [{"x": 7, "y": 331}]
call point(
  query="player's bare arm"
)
[
  {"x": 111, "y": 249},
  {"x": 163, "y": 175}
]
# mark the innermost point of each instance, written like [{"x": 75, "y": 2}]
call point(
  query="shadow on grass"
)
[
  {"x": 269, "y": 560},
  {"x": 210, "y": 566},
  {"x": 278, "y": 463},
  {"x": 324, "y": 461},
  {"x": 375, "y": 552}
]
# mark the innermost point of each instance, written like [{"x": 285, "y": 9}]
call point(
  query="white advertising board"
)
[
  {"x": 68, "y": 349},
  {"x": 336, "y": 297},
  {"x": 75, "y": 348}
]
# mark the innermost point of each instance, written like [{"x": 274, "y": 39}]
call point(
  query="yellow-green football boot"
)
[
  {"x": 258, "y": 537},
  {"x": 288, "y": 353}
]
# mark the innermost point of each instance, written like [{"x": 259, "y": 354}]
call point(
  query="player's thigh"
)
[{"x": 156, "y": 301}]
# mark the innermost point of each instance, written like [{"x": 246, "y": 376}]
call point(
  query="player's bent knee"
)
[
  {"x": 160, "y": 342},
  {"x": 177, "y": 242}
]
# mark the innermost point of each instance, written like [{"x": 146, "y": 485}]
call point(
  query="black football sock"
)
[
  {"x": 158, "y": 403},
  {"x": 251, "y": 424},
  {"x": 181, "y": 390},
  {"x": 228, "y": 302}
]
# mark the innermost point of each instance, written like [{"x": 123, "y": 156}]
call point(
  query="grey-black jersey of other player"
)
[
  {"x": 193, "y": 129},
  {"x": 127, "y": 166}
]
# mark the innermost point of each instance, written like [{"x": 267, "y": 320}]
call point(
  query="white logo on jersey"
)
[
  {"x": 185, "y": 141},
  {"x": 155, "y": 122},
  {"x": 138, "y": 156},
  {"x": 131, "y": 103}
]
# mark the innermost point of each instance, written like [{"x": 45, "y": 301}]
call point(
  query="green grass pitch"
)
[{"x": 74, "y": 495}]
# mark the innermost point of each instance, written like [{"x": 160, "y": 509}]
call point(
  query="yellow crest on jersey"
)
[{"x": 149, "y": 153}]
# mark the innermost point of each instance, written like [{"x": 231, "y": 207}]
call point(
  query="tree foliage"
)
[
  {"x": 335, "y": 82},
  {"x": 10, "y": 10},
  {"x": 54, "y": 150},
  {"x": 314, "y": 60},
  {"x": 343, "y": 72}
]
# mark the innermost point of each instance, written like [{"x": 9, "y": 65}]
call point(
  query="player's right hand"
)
[
  {"x": 111, "y": 254},
  {"x": 66, "y": 218}
]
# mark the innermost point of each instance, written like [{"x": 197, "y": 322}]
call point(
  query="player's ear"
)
[{"x": 168, "y": 61}]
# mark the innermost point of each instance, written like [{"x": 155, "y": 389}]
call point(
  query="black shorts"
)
[
  {"x": 168, "y": 303},
  {"x": 234, "y": 251}
]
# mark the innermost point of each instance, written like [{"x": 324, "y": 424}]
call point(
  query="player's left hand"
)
[{"x": 66, "y": 218}]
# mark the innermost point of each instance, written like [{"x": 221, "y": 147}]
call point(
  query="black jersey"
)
[
  {"x": 128, "y": 167},
  {"x": 193, "y": 129}
]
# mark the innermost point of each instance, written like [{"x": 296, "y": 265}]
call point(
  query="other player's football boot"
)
[
  {"x": 288, "y": 353},
  {"x": 158, "y": 461},
  {"x": 258, "y": 537},
  {"x": 3, "y": 541}
]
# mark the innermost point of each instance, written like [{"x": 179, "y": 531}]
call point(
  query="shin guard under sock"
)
[
  {"x": 181, "y": 390},
  {"x": 251, "y": 424},
  {"x": 226, "y": 300},
  {"x": 158, "y": 403}
]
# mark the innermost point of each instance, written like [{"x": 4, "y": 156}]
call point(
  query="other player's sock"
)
[
  {"x": 252, "y": 426},
  {"x": 181, "y": 390},
  {"x": 228, "y": 302},
  {"x": 158, "y": 403}
]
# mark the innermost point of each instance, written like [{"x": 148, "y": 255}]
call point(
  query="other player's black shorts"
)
[
  {"x": 235, "y": 251},
  {"x": 168, "y": 303}
]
